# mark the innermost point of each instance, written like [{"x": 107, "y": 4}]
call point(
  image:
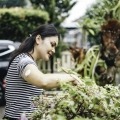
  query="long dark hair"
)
[{"x": 46, "y": 30}]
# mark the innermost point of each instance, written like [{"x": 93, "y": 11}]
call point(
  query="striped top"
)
[{"x": 18, "y": 92}]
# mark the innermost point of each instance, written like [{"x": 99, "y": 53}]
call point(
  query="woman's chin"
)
[{"x": 47, "y": 58}]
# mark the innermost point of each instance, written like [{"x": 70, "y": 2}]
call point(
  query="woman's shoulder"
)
[{"x": 23, "y": 57}]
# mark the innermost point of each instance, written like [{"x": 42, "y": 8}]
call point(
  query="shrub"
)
[{"x": 17, "y": 23}]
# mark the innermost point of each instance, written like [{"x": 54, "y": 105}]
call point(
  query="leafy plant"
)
[
  {"x": 18, "y": 23},
  {"x": 82, "y": 102},
  {"x": 96, "y": 16}
]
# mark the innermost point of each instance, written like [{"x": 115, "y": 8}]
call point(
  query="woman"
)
[{"x": 24, "y": 79}]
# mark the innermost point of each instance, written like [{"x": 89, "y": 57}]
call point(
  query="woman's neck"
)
[{"x": 32, "y": 55}]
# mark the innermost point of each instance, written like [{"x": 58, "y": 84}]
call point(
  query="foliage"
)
[
  {"x": 87, "y": 67},
  {"x": 90, "y": 62},
  {"x": 17, "y": 23},
  {"x": 97, "y": 15},
  {"x": 80, "y": 102},
  {"x": 58, "y": 10}
]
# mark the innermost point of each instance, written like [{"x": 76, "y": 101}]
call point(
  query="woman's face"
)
[{"x": 46, "y": 47}]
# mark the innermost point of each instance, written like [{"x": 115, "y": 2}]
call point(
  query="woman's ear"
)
[{"x": 38, "y": 39}]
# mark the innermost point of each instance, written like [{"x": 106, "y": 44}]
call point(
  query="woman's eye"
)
[{"x": 53, "y": 44}]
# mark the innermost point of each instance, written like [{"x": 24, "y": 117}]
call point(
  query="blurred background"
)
[
  {"x": 78, "y": 21},
  {"x": 18, "y": 19}
]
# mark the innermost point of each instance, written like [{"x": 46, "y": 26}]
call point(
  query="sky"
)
[{"x": 79, "y": 10}]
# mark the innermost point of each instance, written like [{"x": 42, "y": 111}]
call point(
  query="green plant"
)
[
  {"x": 17, "y": 23},
  {"x": 82, "y": 102}
]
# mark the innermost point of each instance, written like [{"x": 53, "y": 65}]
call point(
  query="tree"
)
[
  {"x": 58, "y": 10},
  {"x": 17, "y": 23},
  {"x": 97, "y": 15}
]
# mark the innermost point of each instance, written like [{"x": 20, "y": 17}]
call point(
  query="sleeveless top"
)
[{"x": 19, "y": 93}]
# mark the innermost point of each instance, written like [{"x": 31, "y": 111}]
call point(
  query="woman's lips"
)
[{"x": 50, "y": 53}]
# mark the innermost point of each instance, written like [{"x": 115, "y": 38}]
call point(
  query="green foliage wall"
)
[{"x": 17, "y": 23}]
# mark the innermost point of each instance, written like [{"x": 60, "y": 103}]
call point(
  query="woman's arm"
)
[{"x": 46, "y": 81}]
